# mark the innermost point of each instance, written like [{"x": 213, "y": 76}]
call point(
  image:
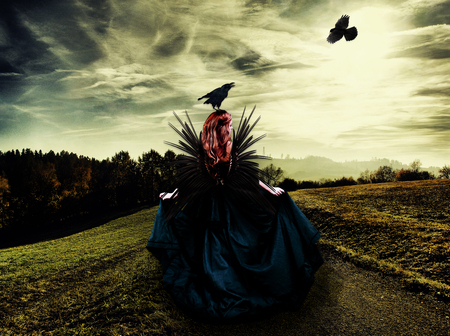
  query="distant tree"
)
[
  {"x": 405, "y": 175},
  {"x": 82, "y": 172},
  {"x": 289, "y": 184},
  {"x": 425, "y": 175},
  {"x": 271, "y": 175},
  {"x": 4, "y": 186},
  {"x": 123, "y": 183},
  {"x": 308, "y": 185},
  {"x": 344, "y": 182},
  {"x": 4, "y": 201},
  {"x": 364, "y": 177},
  {"x": 383, "y": 174},
  {"x": 100, "y": 196},
  {"x": 38, "y": 190},
  {"x": 51, "y": 157},
  {"x": 415, "y": 165},
  {"x": 325, "y": 183},
  {"x": 168, "y": 171},
  {"x": 149, "y": 166},
  {"x": 411, "y": 175},
  {"x": 74, "y": 174},
  {"x": 46, "y": 188},
  {"x": 444, "y": 172}
]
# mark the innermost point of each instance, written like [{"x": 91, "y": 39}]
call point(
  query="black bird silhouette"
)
[
  {"x": 216, "y": 97},
  {"x": 340, "y": 29}
]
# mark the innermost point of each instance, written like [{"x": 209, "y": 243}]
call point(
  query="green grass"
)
[
  {"x": 400, "y": 229},
  {"x": 87, "y": 247},
  {"x": 102, "y": 281}
]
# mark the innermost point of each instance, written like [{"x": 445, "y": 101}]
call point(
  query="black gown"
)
[{"x": 228, "y": 258}]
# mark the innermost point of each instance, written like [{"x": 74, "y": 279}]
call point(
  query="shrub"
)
[
  {"x": 411, "y": 175},
  {"x": 289, "y": 184}
]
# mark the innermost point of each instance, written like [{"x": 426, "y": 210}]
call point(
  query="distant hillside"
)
[{"x": 316, "y": 167}]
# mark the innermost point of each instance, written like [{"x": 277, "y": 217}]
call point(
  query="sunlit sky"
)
[{"x": 96, "y": 77}]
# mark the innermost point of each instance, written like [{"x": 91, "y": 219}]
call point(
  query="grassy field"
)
[
  {"x": 399, "y": 228},
  {"x": 102, "y": 281}
]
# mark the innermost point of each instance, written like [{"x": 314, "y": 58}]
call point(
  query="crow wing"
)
[
  {"x": 342, "y": 23},
  {"x": 335, "y": 36},
  {"x": 211, "y": 94},
  {"x": 351, "y": 33}
]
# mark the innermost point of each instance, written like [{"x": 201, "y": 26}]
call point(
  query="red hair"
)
[{"x": 216, "y": 137}]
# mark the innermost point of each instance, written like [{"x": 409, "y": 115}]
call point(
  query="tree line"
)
[
  {"x": 38, "y": 189},
  {"x": 388, "y": 174},
  {"x": 274, "y": 176}
]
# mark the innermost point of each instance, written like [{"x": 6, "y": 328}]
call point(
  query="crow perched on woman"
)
[{"x": 216, "y": 97}]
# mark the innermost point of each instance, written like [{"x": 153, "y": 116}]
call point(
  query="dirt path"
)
[{"x": 348, "y": 300}]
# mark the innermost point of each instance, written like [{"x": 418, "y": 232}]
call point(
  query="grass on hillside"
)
[
  {"x": 100, "y": 281},
  {"x": 400, "y": 229},
  {"x": 103, "y": 282}
]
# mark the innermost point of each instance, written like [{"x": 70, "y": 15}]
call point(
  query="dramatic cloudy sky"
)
[{"x": 98, "y": 76}]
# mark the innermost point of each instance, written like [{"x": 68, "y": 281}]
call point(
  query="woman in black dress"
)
[{"x": 231, "y": 246}]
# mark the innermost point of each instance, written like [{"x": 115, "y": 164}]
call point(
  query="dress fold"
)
[{"x": 226, "y": 260}]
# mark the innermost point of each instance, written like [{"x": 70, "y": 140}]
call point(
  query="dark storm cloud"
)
[
  {"x": 60, "y": 23},
  {"x": 149, "y": 83},
  {"x": 253, "y": 63},
  {"x": 433, "y": 127},
  {"x": 99, "y": 13},
  {"x": 111, "y": 70},
  {"x": 14, "y": 120},
  {"x": 216, "y": 49},
  {"x": 432, "y": 15},
  {"x": 19, "y": 47},
  {"x": 173, "y": 43},
  {"x": 8, "y": 118},
  {"x": 437, "y": 92},
  {"x": 249, "y": 61},
  {"x": 38, "y": 37},
  {"x": 408, "y": 40},
  {"x": 422, "y": 52},
  {"x": 313, "y": 11},
  {"x": 7, "y": 69},
  {"x": 10, "y": 87},
  {"x": 33, "y": 30},
  {"x": 438, "y": 124},
  {"x": 429, "y": 43}
]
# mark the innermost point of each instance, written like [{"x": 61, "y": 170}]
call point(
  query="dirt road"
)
[{"x": 348, "y": 300}]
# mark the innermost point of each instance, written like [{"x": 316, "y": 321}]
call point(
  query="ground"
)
[{"x": 349, "y": 300}]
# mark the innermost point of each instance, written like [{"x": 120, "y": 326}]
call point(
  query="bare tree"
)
[
  {"x": 415, "y": 165},
  {"x": 272, "y": 175},
  {"x": 444, "y": 172}
]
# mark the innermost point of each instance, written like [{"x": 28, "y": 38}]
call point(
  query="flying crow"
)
[
  {"x": 340, "y": 29},
  {"x": 216, "y": 97}
]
